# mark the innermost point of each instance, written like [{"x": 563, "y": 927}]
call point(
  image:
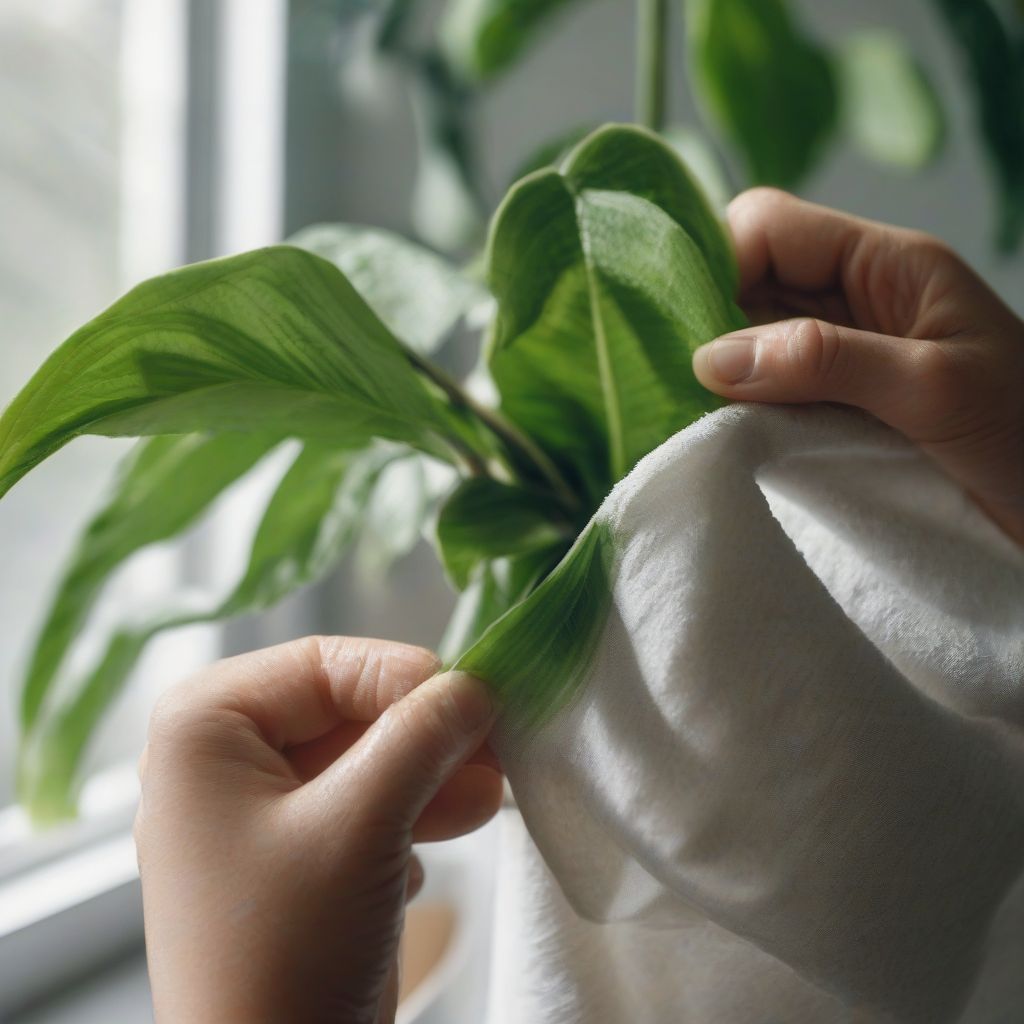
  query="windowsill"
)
[
  {"x": 118, "y": 992},
  {"x": 107, "y": 807},
  {"x": 70, "y": 897}
]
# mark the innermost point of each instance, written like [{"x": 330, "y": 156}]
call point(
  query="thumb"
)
[
  {"x": 416, "y": 746},
  {"x": 807, "y": 360}
]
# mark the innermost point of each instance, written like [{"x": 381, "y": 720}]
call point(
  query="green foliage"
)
[
  {"x": 607, "y": 273},
  {"x": 275, "y": 341},
  {"x": 607, "y": 265},
  {"x": 994, "y": 63},
  {"x": 484, "y": 520},
  {"x": 603, "y": 294},
  {"x": 314, "y": 515},
  {"x": 774, "y": 94},
  {"x": 890, "y": 109},
  {"x": 535, "y": 668},
  {"x": 483, "y": 37},
  {"x": 419, "y": 295},
  {"x": 770, "y": 89},
  {"x": 165, "y": 483}
]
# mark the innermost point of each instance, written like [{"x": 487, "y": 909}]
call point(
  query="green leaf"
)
[
  {"x": 538, "y": 652},
  {"x": 312, "y": 518},
  {"x": 314, "y": 515},
  {"x": 405, "y": 496},
  {"x": 995, "y": 70},
  {"x": 625, "y": 158},
  {"x": 890, "y": 107},
  {"x": 493, "y": 589},
  {"x": 419, "y": 295},
  {"x": 768, "y": 87},
  {"x": 446, "y": 205},
  {"x": 50, "y": 755},
  {"x": 602, "y": 298},
  {"x": 161, "y": 487},
  {"x": 273, "y": 341},
  {"x": 483, "y": 37},
  {"x": 484, "y": 520}
]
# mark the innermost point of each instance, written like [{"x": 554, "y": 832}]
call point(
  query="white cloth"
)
[{"x": 791, "y": 787}]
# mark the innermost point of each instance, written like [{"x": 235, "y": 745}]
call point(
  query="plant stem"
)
[
  {"x": 507, "y": 432},
  {"x": 651, "y": 40}
]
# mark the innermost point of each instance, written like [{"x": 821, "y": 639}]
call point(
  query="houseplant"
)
[{"x": 607, "y": 265}]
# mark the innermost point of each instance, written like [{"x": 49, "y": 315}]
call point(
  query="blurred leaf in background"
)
[
  {"x": 890, "y": 108},
  {"x": 163, "y": 485},
  {"x": 418, "y": 294},
  {"x": 483, "y": 37},
  {"x": 993, "y": 62},
  {"x": 765, "y": 85},
  {"x": 314, "y": 515}
]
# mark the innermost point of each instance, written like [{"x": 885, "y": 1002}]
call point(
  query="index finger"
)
[
  {"x": 794, "y": 243},
  {"x": 298, "y": 691}
]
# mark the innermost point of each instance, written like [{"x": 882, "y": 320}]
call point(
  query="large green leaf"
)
[
  {"x": 890, "y": 107},
  {"x": 483, "y": 37},
  {"x": 494, "y": 588},
  {"x": 272, "y": 341},
  {"x": 626, "y": 158},
  {"x": 163, "y": 485},
  {"x": 994, "y": 63},
  {"x": 418, "y": 294},
  {"x": 770, "y": 90},
  {"x": 537, "y": 653},
  {"x": 312, "y": 518},
  {"x": 483, "y": 520},
  {"x": 602, "y": 297}
]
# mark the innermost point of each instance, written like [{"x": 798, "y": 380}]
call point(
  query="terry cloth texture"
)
[{"x": 790, "y": 786}]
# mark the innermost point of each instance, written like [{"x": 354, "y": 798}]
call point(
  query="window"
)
[{"x": 124, "y": 122}]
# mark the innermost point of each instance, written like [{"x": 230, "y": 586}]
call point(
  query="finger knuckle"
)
[
  {"x": 173, "y": 715},
  {"x": 925, "y": 244},
  {"x": 946, "y": 384},
  {"x": 761, "y": 201},
  {"x": 814, "y": 350}
]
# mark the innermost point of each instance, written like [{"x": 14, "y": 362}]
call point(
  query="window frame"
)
[{"x": 203, "y": 85}]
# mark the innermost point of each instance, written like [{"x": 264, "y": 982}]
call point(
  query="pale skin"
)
[
  {"x": 283, "y": 789},
  {"x": 281, "y": 794},
  {"x": 884, "y": 319}
]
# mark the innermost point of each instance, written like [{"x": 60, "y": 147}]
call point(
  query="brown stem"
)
[{"x": 505, "y": 431}]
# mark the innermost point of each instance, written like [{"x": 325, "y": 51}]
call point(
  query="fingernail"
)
[
  {"x": 472, "y": 699},
  {"x": 731, "y": 359}
]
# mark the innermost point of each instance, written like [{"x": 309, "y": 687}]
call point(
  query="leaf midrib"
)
[{"x": 609, "y": 395}]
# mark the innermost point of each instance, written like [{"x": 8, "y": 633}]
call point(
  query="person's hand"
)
[
  {"x": 281, "y": 794},
  {"x": 887, "y": 320}
]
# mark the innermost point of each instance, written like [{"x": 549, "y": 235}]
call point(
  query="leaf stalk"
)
[
  {"x": 651, "y": 65},
  {"x": 506, "y": 432}
]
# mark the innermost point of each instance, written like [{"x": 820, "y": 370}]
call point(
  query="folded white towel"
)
[{"x": 790, "y": 787}]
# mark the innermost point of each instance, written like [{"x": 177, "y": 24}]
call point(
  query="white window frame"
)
[{"x": 203, "y": 89}]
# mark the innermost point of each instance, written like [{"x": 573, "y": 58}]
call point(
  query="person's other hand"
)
[
  {"x": 281, "y": 794},
  {"x": 887, "y": 320}
]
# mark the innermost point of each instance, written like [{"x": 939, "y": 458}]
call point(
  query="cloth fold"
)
[{"x": 791, "y": 784}]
